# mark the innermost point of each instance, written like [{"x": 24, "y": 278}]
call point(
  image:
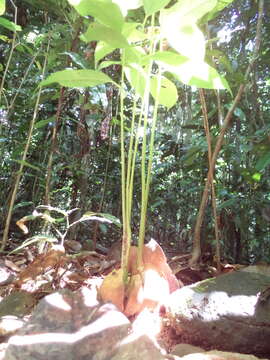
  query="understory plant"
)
[{"x": 164, "y": 44}]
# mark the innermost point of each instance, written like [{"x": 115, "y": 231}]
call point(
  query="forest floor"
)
[{"x": 27, "y": 277}]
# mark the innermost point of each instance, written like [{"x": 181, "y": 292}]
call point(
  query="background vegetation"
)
[{"x": 73, "y": 159}]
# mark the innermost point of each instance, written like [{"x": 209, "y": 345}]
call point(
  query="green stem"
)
[{"x": 20, "y": 171}]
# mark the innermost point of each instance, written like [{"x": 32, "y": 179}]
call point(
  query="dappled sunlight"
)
[
  {"x": 58, "y": 301},
  {"x": 212, "y": 305}
]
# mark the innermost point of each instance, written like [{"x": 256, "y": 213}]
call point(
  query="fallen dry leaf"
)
[{"x": 41, "y": 264}]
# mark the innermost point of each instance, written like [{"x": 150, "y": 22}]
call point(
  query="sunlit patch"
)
[
  {"x": 213, "y": 305},
  {"x": 147, "y": 322},
  {"x": 57, "y": 300},
  {"x": 31, "y": 37},
  {"x": 156, "y": 288},
  {"x": 74, "y": 2},
  {"x": 105, "y": 321},
  {"x": 90, "y": 296}
]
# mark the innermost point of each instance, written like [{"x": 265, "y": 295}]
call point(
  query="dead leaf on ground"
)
[{"x": 41, "y": 264}]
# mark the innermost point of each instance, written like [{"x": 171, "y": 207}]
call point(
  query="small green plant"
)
[
  {"x": 157, "y": 44},
  {"x": 60, "y": 225}
]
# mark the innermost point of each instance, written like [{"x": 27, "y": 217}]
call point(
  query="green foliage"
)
[
  {"x": 2, "y": 6},
  {"x": 9, "y": 25},
  {"x": 77, "y": 78},
  {"x": 86, "y": 164},
  {"x": 104, "y": 11},
  {"x": 49, "y": 215}
]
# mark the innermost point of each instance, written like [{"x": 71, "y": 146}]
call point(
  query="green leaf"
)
[
  {"x": 126, "y": 5},
  {"x": 112, "y": 37},
  {"x": 34, "y": 239},
  {"x": 187, "y": 11},
  {"x": 2, "y": 6},
  {"x": 132, "y": 34},
  {"x": 102, "y": 49},
  {"x": 168, "y": 57},
  {"x": 168, "y": 92},
  {"x": 256, "y": 176},
  {"x": 77, "y": 59},
  {"x": 104, "y": 11},
  {"x": 43, "y": 123},
  {"x": 221, "y": 4},
  {"x": 221, "y": 57},
  {"x": 105, "y": 64},
  {"x": 27, "y": 164},
  {"x": 9, "y": 25},
  {"x": 77, "y": 78},
  {"x": 178, "y": 25},
  {"x": 135, "y": 55},
  {"x": 89, "y": 215},
  {"x": 137, "y": 78},
  {"x": 152, "y": 6},
  {"x": 263, "y": 161},
  {"x": 51, "y": 208},
  {"x": 198, "y": 74}
]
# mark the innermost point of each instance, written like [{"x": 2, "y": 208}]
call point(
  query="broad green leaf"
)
[
  {"x": 43, "y": 123},
  {"x": 182, "y": 39},
  {"x": 111, "y": 218},
  {"x": 168, "y": 92},
  {"x": 89, "y": 215},
  {"x": 187, "y": 12},
  {"x": 2, "y": 6},
  {"x": 77, "y": 78},
  {"x": 151, "y": 6},
  {"x": 102, "y": 49},
  {"x": 34, "y": 239},
  {"x": 222, "y": 59},
  {"x": 167, "y": 57},
  {"x": 198, "y": 74},
  {"x": 77, "y": 59},
  {"x": 135, "y": 55},
  {"x": 104, "y": 11},
  {"x": 132, "y": 34},
  {"x": 178, "y": 25},
  {"x": 105, "y": 64},
  {"x": 9, "y": 25},
  {"x": 113, "y": 37},
  {"x": 263, "y": 161},
  {"x": 4, "y": 38},
  {"x": 221, "y": 4},
  {"x": 126, "y": 5},
  {"x": 22, "y": 204},
  {"x": 137, "y": 78},
  {"x": 51, "y": 208},
  {"x": 27, "y": 164}
]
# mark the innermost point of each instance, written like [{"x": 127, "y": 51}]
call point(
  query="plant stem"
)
[{"x": 20, "y": 171}]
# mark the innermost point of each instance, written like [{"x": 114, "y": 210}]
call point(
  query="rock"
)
[
  {"x": 185, "y": 349},
  {"x": 224, "y": 313},
  {"x": 67, "y": 325},
  {"x": 219, "y": 355},
  {"x": 17, "y": 303}
]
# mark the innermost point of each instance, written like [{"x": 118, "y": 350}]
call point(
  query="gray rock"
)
[
  {"x": 224, "y": 313},
  {"x": 67, "y": 325}
]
